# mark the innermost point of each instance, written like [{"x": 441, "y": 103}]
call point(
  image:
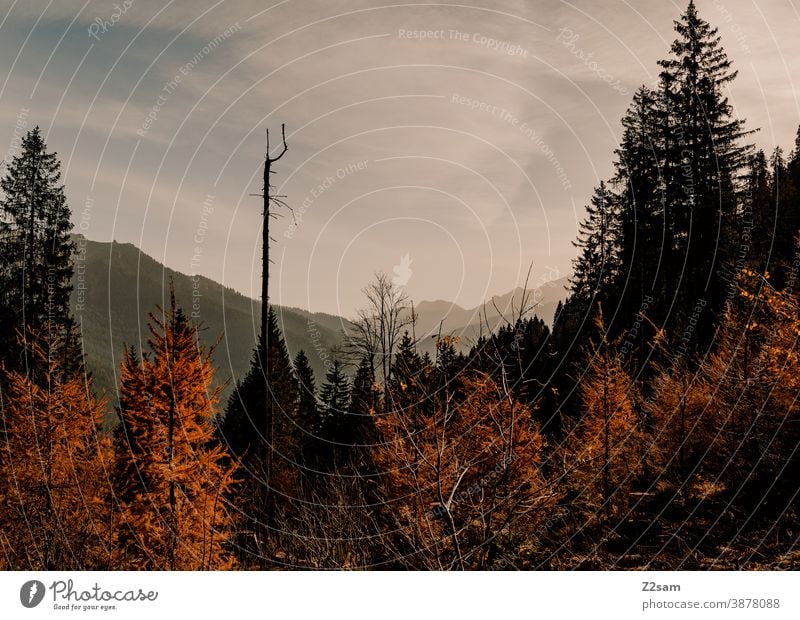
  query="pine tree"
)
[
  {"x": 335, "y": 393},
  {"x": 307, "y": 396},
  {"x": 659, "y": 251},
  {"x": 265, "y": 440},
  {"x": 246, "y": 428},
  {"x": 174, "y": 482},
  {"x": 786, "y": 206},
  {"x": 641, "y": 278},
  {"x": 703, "y": 161},
  {"x": 362, "y": 394},
  {"x": 596, "y": 269},
  {"x": 758, "y": 209},
  {"x": 793, "y": 167},
  {"x": 53, "y": 509},
  {"x": 334, "y": 399},
  {"x": 409, "y": 376},
  {"x": 35, "y": 252},
  {"x": 448, "y": 365}
]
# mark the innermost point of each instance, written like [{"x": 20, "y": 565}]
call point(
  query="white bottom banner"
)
[{"x": 379, "y": 595}]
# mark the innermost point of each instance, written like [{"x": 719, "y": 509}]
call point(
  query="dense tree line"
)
[{"x": 655, "y": 425}]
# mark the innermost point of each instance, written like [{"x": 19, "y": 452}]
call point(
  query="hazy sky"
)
[{"x": 471, "y": 147}]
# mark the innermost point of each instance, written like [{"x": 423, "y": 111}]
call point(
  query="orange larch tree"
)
[
  {"x": 682, "y": 421},
  {"x": 54, "y": 457},
  {"x": 607, "y": 447},
  {"x": 464, "y": 481},
  {"x": 172, "y": 480},
  {"x": 757, "y": 365}
]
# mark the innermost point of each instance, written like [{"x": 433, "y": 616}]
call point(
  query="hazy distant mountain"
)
[
  {"x": 468, "y": 323},
  {"x": 116, "y": 285}
]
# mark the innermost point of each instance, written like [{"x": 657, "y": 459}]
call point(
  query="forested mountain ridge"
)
[{"x": 115, "y": 286}]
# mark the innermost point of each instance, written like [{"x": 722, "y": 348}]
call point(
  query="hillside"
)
[
  {"x": 469, "y": 322},
  {"x": 116, "y": 285}
]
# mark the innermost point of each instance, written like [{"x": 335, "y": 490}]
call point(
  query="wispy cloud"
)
[{"x": 473, "y": 191}]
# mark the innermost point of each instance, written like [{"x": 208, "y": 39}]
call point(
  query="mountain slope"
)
[
  {"x": 116, "y": 285},
  {"x": 468, "y": 323}
]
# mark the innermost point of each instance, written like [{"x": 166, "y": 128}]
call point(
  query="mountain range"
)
[
  {"x": 116, "y": 286},
  {"x": 470, "y": 323}
]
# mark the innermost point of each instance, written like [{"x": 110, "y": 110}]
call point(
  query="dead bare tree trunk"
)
[{"x": 263, "y": 342}]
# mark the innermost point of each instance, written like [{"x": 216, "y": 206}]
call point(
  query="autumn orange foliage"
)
[
  {"x": 53, "y": 513},
  {"x": 606, "y": 449},
  {"x": 464, "y": 479},
  {"x": 172, "y": 479}
]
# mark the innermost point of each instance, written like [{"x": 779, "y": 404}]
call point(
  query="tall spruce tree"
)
[
  {"x": 334, "y": 400},
  {"x": 597, "y": 265},
  {"x": 306, "y": 392},
  {"x": 793, "y": 168},
  {"x": 703, "y": 161},
  {"x": 358, "y": 427},
  {"x": 244, "y": 426},
  {"x": 408, "y": 385},
  {"x": 264, "y": 440},
  {"x": 35, "y": 252},
  {"x": 665, "y": 242},
  {"x": 362, "y": 392},
  {"x": 641, "y": 208},
  {"x": 758, "y": 212},
  {"x": 786, "y": 208}
]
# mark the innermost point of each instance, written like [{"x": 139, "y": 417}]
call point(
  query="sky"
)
[{"x": 451, "y": 145}]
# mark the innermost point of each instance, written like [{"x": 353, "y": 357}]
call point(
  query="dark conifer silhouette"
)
[{"x": 35, "y": 254}]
